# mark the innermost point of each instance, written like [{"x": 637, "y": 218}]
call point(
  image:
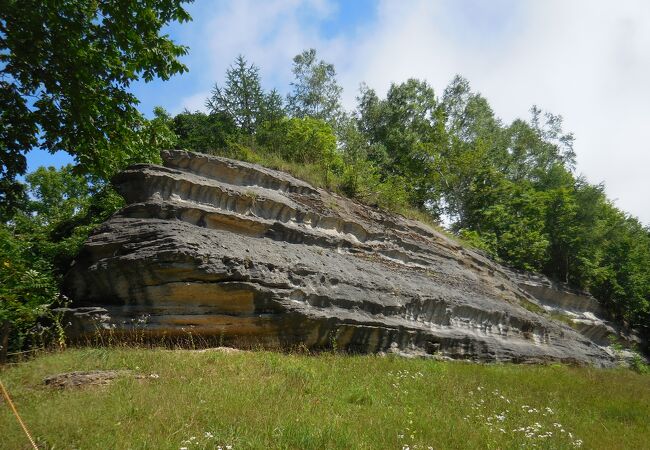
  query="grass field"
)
[{"x": 207, "y": 400}]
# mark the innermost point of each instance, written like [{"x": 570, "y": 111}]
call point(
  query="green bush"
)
[
  {"x": 28, "y": 290},
  {"x": 38, "y": 245},
  {"x": 486, "y": 242}
]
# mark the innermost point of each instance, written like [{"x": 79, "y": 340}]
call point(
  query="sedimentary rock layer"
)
[
  {"x": 578, "y": 308},
  {"x": 218, "y": 247}
]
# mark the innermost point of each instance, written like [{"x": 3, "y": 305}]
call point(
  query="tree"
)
[
  {"x": 272, "y": 119},
  {"x": 407, "y": 126},
  {"x": 316, "y": 93},
  {"x": 55, "y": 194},
  {"x": 202, "y": 132},
  {"x": 65, "y": 72},
  {"x": 39, "y": 244},
  {"x": 272, "y": 109},
  {"x": 310, "y": 141},
  {"x": 360, "y": 178},
  {"x": 158, "y": 132},
  {"x": 473, "y": 142},
  {"x": 242, "y": 98},
  {"x": 537, "y": 146},
  {"x": 27, "y": 290}
]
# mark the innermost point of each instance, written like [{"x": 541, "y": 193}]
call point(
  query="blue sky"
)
[{"x": 586, "y": 60}]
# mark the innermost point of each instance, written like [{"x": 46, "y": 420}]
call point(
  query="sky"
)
[{"x": 588, "y": 61}]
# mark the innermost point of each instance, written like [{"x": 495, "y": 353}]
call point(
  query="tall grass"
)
[{"x": 271, "y": 400}]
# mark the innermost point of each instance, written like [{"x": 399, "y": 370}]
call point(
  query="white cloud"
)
[
  {"x": 195, "y": 102},
  {"x": 268, "y": 33},
  {"x": 586, "y": 60}
]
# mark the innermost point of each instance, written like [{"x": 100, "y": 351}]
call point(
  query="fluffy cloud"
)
[
  {"x": 268, "y": 33},
  {"x": 586, "y": 60}
]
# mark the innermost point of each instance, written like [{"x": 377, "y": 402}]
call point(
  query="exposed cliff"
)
[{"x": 230, "y": 249}]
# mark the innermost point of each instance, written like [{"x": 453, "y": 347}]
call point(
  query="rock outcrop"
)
[
  {"x": 227, "y": 249},
  {"x": 578, "y": 308}
]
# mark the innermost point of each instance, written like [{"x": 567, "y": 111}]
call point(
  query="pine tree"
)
[{"x": 242, "y": 98}]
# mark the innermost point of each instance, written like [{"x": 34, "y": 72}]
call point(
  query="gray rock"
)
[
  {"x": 79, "y": 379},
  {"x": 70, "y": 380},
  {"x": 578, "y": 308},
  {"x": 227, "y": 249},
  {"x": 84, "y": 319}
]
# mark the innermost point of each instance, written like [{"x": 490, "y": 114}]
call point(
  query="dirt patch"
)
[
  {"x": 219, "y": 350},
  {"x": 92, "y": 378}
]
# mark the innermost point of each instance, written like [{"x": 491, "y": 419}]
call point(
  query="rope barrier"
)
[{"x": 15, "y": 411}]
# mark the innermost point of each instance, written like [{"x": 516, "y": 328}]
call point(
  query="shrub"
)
[{"x": 28, "y": 290}]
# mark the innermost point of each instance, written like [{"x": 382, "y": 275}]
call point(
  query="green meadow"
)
[{"x": 175, "y": 399}]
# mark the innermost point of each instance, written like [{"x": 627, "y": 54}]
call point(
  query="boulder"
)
[{"x": 251, "y": 256}]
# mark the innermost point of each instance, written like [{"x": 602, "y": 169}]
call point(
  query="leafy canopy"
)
[
  {"x": 65, "y": 71},
  {"x": 316, "y": 93}
]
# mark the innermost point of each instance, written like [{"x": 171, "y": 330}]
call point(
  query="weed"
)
[{"x": 639, "y": 365}]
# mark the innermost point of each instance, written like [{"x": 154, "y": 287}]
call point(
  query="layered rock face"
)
[
  {"x": 253, "y": 256},
  {"x": 578, "y": 308}
]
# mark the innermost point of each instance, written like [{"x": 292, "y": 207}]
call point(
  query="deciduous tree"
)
[
  {"x": 65, "y": 72},
  {"x": 316, "y": 92}
]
